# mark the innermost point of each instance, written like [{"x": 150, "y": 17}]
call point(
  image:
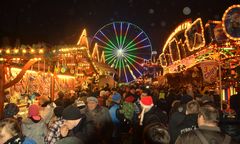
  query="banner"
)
[{"x": 209, "y": 70}]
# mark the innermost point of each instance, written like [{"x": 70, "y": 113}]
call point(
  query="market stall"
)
[
  {"x": 43, "y": 70},
  {"x": 208, "y": 56}
]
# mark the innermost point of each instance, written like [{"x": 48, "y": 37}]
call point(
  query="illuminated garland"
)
[
  {"x": 192, "y": 48},
  {"x": 224, "y": 19}
]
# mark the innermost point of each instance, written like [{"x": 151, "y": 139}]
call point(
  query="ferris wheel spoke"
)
[
  {"x": 120, "y": 70},
  {"x": 142, "y": 47},
  {"x": 125, "y": 35},
  {"x": 116, "y": 34},
  {"x": 131, "y": 72},
  {"x": 133, "y": 60},
  {"x": 133, "y": 40},
  {"x": 105, "y": 47},
  {"x": 135, "y": 44},
  {"x": 134, "y": 67},
  {"x": 105, "y": 43},
  {"x": 124, "y": 70},
  {"x": 110, "y": 58},
  {"x": 121, "y": 38},
  {"x": 133, "y": 56},
  {"x": 117, "y": 63},
  {"x": 113, "y": 45}
]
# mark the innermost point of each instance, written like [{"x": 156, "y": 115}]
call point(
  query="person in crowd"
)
[
  {"x": 156, "y": 133},
  {"x": 235, "y": 102},
  {"x": 34, "y": 126},
  {"x": 70, "y": 140},
  {"x": 208, "y": 131},
  {"x": 116, "y": 99},
  {"x": 10, "y": 111},
  {"x": 11, "y": 133},
  {"x": 46, "y": 108},
  {"x": 54, "y": 134},
  {"x": 106, "y": 87},
  {"x": 151, "y": 113},
  {"x": 102, "y": 98},
  {"x": 180, "y": 123},
  {"x": 101, "y": 118},
  {"x": 60, "y": 100},
  {"x": 230, "y": 124},
  {"x": 75, "y": 124}
]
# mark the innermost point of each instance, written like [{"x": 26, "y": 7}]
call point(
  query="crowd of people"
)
[{"x": 129, "y": 114}]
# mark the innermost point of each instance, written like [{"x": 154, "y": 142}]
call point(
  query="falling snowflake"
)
[
  {"x": 186, "y": 10},
  {"x": 152, "y": 24},
  {"x": 90, "y": 13},
  {"x": 151, "y": 11},
  {"x": 163, "y": 23}
]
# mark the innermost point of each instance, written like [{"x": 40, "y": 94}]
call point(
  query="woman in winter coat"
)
[{"x": 34, "y": 127}]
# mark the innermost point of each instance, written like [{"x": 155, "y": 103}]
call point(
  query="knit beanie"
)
[
  {"x": 10, "y": 110},
  {"x": 129, "y": 99},
  {"x": 71, "y": 113},
  {"x": 116, "y": 97},
  {"x": 94, "y": 99},
  {"x": 146, "y": 103}
]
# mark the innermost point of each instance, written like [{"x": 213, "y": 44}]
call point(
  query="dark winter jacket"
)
[
  {"x": 180, "y": 123},
  {"x": 155, "y": 114},
  {"x": 86, "y": 131},
  {"x": 212, "y": 134}
]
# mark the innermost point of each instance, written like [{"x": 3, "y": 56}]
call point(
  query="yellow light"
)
[
  {"x": 16, "y": 51},
  {"x": 24, "y": 51},
  {"x": 41, "y": 51},
  {"x": 17, "y": 70},
  {"x": 201, "y": 34},
  {"x": 65, "y": 77},
  {"x": 32, "y": 51},
  {"x": 0, "y": 50},
  {"x": 8, "y": 51}
]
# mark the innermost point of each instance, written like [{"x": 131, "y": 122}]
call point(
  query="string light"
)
[
  {"x": 41, "y": 51},
  {"x": 16, "y": 51},
  {"x": 8, "y": 51},
  {"x": 32, "y": 50},
  {"x": 24, "y": 51},
  {"x": 196, "y": 35},
  {"x": 179, "y": 29}
]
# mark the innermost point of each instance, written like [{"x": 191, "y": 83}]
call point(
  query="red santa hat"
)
[{"x": 146, "y": 103}]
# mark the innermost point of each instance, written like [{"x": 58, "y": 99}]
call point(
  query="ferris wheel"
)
[{"x": 125, "y": 47}]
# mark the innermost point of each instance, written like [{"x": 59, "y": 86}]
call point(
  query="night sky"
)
[{"x": 61, "y": 21}]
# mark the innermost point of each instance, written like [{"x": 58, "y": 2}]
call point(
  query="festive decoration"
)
[
  {"x": 195, "y": 35},
  {"x": 125, "y": 47},
  {"x": 231, "y": 22},
  {"x": 174, "y": 47},
  {"x": 209, "y": 70}
]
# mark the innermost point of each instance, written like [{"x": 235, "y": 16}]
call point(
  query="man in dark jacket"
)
[
  {"x": 208, "y": 131},
  {"x": 77, "y": 125},
  {"x": 235, "y": 102},
  {"x": 181, "y": 123}
]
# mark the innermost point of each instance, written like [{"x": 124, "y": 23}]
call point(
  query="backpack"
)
[
  {"x": 127, "y": 110},
  {"x": 203, "y": 140}
]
